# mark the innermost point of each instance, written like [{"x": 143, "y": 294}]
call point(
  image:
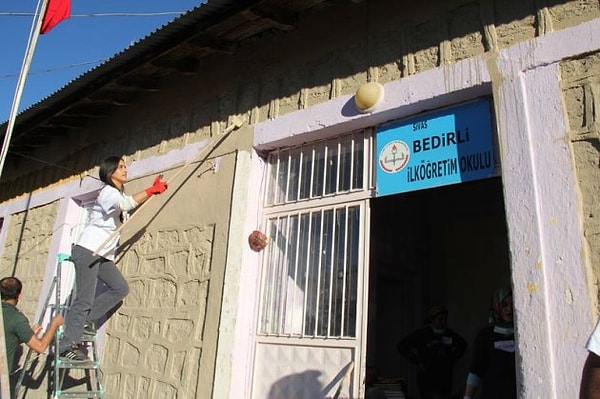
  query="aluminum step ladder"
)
[
  {"x": 61, "y": 384},
  {"x": 32, "y": 357},
  {"x": 91, "y": 379},
  {"x": 92, "y": 374}
]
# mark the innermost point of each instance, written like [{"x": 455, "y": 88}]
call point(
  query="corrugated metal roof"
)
[{"x": 217, "y": 26}]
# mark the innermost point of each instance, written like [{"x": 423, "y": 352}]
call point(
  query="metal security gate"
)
[{"x": 311, "y": 325}]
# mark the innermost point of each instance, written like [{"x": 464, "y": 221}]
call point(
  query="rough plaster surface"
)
[
  {"x": 27, "y": 236},
  {"x": 27, "y": 239},
  {"x": 161, "y": 324},
  {"x": 581, "y": 95}
]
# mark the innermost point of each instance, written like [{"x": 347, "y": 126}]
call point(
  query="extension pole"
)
[
  {"x": 344, "y": 378},
  {"x": 234, "y": 125}
]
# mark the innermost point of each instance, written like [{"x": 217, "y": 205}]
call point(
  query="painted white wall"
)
[
  {"x": 552, "y": 298},
  {"x": 239, "y": 307}
]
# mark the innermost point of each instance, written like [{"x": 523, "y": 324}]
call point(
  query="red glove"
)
[{"x": 158, "y": 187}]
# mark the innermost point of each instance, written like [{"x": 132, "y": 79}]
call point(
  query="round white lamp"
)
[{"x": 368, "y": 96}]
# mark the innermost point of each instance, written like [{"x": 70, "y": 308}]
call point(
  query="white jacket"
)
[{"x": 104, "y": 219}]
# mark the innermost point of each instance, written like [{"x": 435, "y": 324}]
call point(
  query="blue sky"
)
[{"x": 74, "y": 46}]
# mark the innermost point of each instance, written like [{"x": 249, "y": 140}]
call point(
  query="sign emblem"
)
[{"x": 394, "y": 156}]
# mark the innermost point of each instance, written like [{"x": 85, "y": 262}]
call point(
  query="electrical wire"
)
[
  {"x": 106, "y": 14},
  {"x": 39, "y": 72},
  {"x": 52, "y": 164}
]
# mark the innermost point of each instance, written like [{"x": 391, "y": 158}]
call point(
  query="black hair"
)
[
  {"x": 436, "y": 310},
  {"x": 10, "y": 288},
  {"x": 107, "y": 168}
]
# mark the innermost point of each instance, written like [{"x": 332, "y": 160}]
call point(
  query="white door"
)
[{"x": 311, "y": 328}]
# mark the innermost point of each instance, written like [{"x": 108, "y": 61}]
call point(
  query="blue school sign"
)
[{"x": 437, "y": 149}]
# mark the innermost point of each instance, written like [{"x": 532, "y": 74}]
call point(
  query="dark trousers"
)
[
  {"x": 435, "y": 385},
  {"x": 85, "y": 306}
]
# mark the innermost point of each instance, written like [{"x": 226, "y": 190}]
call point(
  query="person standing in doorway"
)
[
  {"x": 590, "y": 377},
  {"x": 435, "y": 348},
  {"x": 494, "y": 353},
  {"x": 107, "y": 214}
]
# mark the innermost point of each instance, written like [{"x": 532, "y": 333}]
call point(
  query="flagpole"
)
[
  {"x": 4, "y": 371},
  {"x": 21, "y": 84}
]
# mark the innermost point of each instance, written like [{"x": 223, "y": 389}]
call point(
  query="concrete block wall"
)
[
  {"x": 25, "y": 252},
  {"x": 155, "y": 340},
  {"x": 385, "y": 42},
  {"x": 581, "y": 95},
  {"x": 24, "y": 255}
]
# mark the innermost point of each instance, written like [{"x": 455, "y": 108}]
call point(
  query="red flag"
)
[{"x": 56, "y": 11}]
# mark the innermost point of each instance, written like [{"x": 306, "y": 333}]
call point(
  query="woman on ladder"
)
[{"x": 94, "y": 254}]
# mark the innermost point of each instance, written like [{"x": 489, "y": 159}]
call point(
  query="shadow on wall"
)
[{"x": 305, "y": 385}]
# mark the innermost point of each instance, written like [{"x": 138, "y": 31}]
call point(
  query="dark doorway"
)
[{"x": 446, "y": 246}]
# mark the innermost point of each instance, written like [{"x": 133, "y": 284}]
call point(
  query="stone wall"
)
[
  {"x": 385, "y": 41},
  {"x": 25, "y": 252},
  {"x": 160, "y": 327},
  {"x": 581, "y": 96},
  {"x": 24, "y": 256}
]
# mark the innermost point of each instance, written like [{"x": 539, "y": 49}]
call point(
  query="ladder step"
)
[
  {"x": 88, "y": 364},
  {"x": 80, "y": 394},
  {"x": 85, "y": 338},
  {"x": 88, "y": 338}
]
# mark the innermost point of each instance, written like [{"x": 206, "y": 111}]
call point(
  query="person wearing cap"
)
[
  {"x": 493, "y": 359},
  {"x": 435, "y": 348},
  {"x": 590, "y": 377}
]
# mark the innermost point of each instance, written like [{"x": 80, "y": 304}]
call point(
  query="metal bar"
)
[
  {"x": 306, "y": 293},
  {"x": 287, "y": 177},
  {"x": 35, "y": 33},
  {"x": 344, "y": 274},
  {"x": 352, "y": 149},
  {"x": 331, "y": 268},
  {"x": 4, "y": 371},
  {"x": 296, "y": 262},
  {"x": 282, "y": 286},
  {"x": 300, "y": 175},
  {"x": 325, "y": 155},
  {"x": 319, "y": 268}
]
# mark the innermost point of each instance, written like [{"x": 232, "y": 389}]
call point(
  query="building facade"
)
[{"x": 353, "y": 262}]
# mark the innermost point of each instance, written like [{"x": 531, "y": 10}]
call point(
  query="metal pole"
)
[
  {"x": 21, "y": 84},
  {"x": 4, "y": 371}
]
